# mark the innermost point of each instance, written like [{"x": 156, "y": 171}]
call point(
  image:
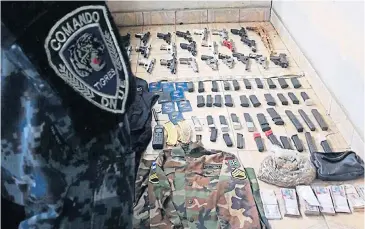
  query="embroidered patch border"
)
[{"x": 85, "y": 27}]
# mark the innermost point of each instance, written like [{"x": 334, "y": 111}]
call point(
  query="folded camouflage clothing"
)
[
  {"x": 192, "y": 187},
  {"x": 287, "y": 170}
]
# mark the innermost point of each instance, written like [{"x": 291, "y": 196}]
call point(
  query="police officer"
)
[{"x": 66, "y": 88}]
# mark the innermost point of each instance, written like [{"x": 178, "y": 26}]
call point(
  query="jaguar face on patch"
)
[
  {"x": 84, "y": 52},
  {"x": 86, "y": 55}
]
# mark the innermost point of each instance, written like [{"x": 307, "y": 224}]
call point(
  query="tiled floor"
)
[{"x": 249, "y": 156}]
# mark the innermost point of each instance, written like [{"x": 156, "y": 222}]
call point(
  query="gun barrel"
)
[
  {"x": 184, "y": 62},
  {"x": 237, "y": 54},
  {"x": 235, "y": 31},
  {"x": 194, "y": 66},
  {"x": 185, "y": 59},
  {"x": 184, "y": 45},
  {"x": 180, "y": 34},
  {"x": 206, "y": 57},
  {"x": 164, "y": 62},
  {"x": 251, "y": 28}
]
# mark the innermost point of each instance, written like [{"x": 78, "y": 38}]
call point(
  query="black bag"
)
[
  {"x": 340, "y": 166},
  {"x": 140, "y": 118}
]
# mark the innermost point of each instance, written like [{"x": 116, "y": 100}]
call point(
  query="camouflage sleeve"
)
[
  {"x": 162, "y": 210},
  {"x": 41, "y": 189},
  {"x": 141, "y": 206},
  {"x": 236, "y": 206},
  {"x": 30, "y": 175}
]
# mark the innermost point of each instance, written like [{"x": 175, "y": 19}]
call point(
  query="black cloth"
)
[
  {"x": 30, "y": 23},
  {"x": 11, "y": 215},
  {"x": 65, "y": 157},
  {"x": 140, "y": 118}
]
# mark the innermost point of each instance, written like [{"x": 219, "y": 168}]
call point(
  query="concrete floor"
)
[{"x": 249, "y": 156}]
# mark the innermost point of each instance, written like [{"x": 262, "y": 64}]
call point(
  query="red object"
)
[
  {"x": 96, "y": 61},
  {"x": 256, "y": 135},
  {"x": 267, "y": 133},
  {"x": 228, "y": 44}
]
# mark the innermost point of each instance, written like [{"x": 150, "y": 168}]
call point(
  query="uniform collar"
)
[{"x": 192, "y": 149}]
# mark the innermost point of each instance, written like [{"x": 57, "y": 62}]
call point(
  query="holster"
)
[{"x": 338, "y": 166}]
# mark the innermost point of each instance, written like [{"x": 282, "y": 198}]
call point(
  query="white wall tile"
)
[
  {"x": 159, "y": 18},
  {"x": 152, "y": 5},
  {"x": 191, "y": 16},
  {"x": 223, "y": 15},
  {"x": 331, "y": 106},
  {"x": 128, "y": 19},
  {"x": 346, "y": 129},
  {"x": 357, "y": 144},
  {"x": 336, "y": 112},
  {"x": 336, "y": 58},
  {"x": 321, "y": 91},
  {"x": 260, "y": 3},
  {"x": 254, "y": 14}
]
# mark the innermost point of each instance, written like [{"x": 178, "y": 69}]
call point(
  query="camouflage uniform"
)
[
  {"x": 191, "y": 187},
  {"x": 65, "y": 159}
]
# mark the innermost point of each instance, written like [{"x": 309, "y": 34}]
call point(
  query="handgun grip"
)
[
  {"x": 182, "y": 34},
  {"x": 184, "y": 45},
  {"x": 146, "y": 35},
  {"x": 205, "y": 57},
  {"x": 274, "y": 58},
  {"x": 237, "y": 54},
  {"x": 248, "y": 42},
  {"x": 179, "y": 33}
]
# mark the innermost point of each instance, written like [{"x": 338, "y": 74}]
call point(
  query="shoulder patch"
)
[
  {"x": 153, "y": 178},
  {"x": 83, "y": 50},
  {"x": 233, "y": 163},
  {"x": 239, "y": 174},
  {"x": 153, "y": 166}
]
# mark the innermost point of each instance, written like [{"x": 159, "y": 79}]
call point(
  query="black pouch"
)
[
  {"x": 341, "y": 166},
  {"x": 140, "y": 118}
]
